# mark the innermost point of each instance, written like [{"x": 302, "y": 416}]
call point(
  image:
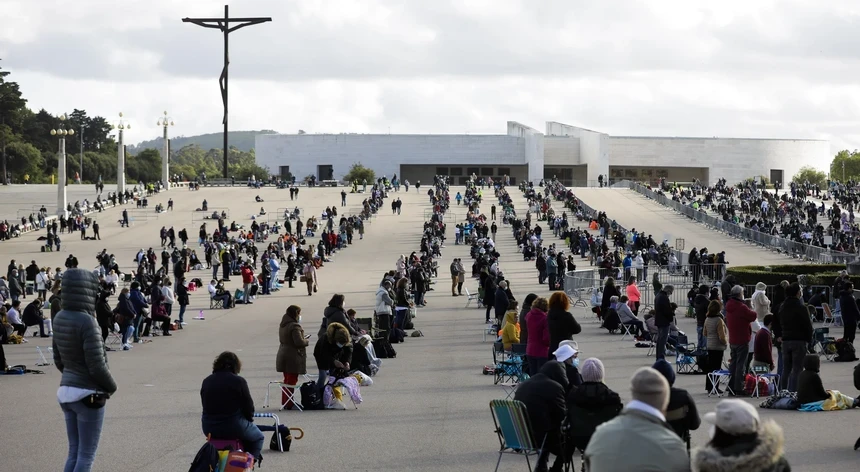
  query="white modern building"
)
[{"x": 577, "y": 156}]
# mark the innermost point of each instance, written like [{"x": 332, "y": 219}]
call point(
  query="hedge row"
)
[{"x": 822, "y": 274}]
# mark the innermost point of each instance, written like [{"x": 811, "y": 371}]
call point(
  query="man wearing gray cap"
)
[{"x": 648, "y": 442}]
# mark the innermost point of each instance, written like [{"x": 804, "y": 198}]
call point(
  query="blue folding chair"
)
[{"x": 514, "y": 430}]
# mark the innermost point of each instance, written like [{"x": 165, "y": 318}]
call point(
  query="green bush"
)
[{"x": 821, "y": 274}]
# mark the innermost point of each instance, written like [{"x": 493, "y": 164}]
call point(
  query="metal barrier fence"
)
[{"x": 793, "y": 248}]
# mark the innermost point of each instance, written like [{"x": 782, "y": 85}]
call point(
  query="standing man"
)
[
  {"x": 96, "y": 234},
  {"x": 493, "y": 229},
  {"x": 343, "y": 198},
  {"x": 247, "y": 280},
  {"x": 170, "y": 205},
  {"x": 124, "y": 218},
  {"x": 663, "y": 317},
  {"x": 738, "y": 319},
  {"x": 455, "y": 276},
  {"x": 793, "y": 327},
  {"x": 493, "y": 212}
]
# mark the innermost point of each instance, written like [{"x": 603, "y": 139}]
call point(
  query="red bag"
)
[
  {"x": 749, "y": 384},
  {"x": 763, "y": 387}
]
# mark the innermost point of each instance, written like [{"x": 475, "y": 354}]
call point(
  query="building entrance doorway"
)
[{"x": 325, "y": 172}]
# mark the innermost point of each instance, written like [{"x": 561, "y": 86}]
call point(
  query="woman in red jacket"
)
[
  {"x": 538, "y": 332},
  {"x": 633, "y": 295}
]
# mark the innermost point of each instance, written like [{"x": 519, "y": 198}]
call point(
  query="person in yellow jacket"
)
[{"x": 511, "y": 329}]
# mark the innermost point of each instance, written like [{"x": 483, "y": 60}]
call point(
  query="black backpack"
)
[
  {"x": 383, "y": 349},
  {"x": 206, "y": 459},
  {"x": 311, "y": 399},
  {"x": 844, "y": 351}
]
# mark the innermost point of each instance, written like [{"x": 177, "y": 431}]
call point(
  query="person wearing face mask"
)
[
  {"x": 570, "y": 360},
  {"x": 292, "y": 358},
  {"x": 332, "y": 351},
  {"x": 589, "y": 405}
]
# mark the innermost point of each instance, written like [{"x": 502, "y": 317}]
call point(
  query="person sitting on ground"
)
[
  {"x": 228, "y": 409},
  {"x": 811, "y": 393},
  {"x": 589, "y": 405},
  {"x": 641, "y": 427},
  {"x": 740, "y": 441},
  {"x": 681, "y": 413},
  {"x": 262, "y": 211},
  {"x": 560, "y": 322},
  {"x": 333, "y": 350},
  {"x": 627, "y": 317},
  {"x": 258, "y": 199},
  {"x": 543, "y": 396},
  {"x": 511, "y": 328}
]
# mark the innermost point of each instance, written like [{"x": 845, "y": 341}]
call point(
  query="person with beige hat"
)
[
  {"x": 740, "y": 441},
  {"x": 648, "y": 442}
]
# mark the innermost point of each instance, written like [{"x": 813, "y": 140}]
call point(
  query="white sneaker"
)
[
  {"x": 126, "y": 347},
  {"x": 183, "y": 323}
]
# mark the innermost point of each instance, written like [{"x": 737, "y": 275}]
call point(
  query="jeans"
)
[
  {"x": 246, "y": 288},
  {"x": 215, "y": 271},
  {"x": 793, "y": 353},
  {"x": 738, "y": 366},
  {"x": 322, "y": 379},
  {"x": 551, "y": 281},
  {"x": 662, "y": 339},
  {"x": 236, "y": 427},
  {"x": 702, "y": 343},
  {"x": 182, "y": 313},
  {"x": 83, "y": 429}
]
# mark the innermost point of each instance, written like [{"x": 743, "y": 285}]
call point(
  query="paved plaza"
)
[{"x": 428, "y": 408}]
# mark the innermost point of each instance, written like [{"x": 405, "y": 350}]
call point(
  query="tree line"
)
[{"x": 28, "y": 152}]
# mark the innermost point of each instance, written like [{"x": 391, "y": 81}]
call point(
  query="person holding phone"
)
[
  {"x": 79, "y": 354},
  {"x": 292, "y": 357}
]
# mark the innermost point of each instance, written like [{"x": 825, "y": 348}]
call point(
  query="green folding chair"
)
[{"x": 514, "y": 430}]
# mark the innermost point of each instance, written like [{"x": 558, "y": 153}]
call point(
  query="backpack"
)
[
  {"x": 844, "y": 351},
  {"x": 206, "y": 459},
  {"x": 311, "y": 399},
  {"x": 383, "y": 349}
]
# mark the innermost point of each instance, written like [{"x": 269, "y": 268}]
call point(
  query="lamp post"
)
[
  {"x": 120, "y": 159},
  {"x": 165, "y": 165},
  {"x": 62, "y": 132},
  {"x": 81, "y": 174}
]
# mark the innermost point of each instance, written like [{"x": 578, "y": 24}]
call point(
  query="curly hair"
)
[
  {"x": 559, "y": 300},
  {"x": 227, "y": 361}
]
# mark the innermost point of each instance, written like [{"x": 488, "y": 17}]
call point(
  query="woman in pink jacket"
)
[
  {"x": 538, "y": 332},
  {"x": 633, "y": 295}
]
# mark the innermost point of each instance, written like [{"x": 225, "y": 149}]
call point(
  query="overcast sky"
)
[{"x": 752, "y": 68}]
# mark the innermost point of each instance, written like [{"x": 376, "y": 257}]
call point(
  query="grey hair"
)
[
  {"x": 613, "y": 298},
  {"x": 669, "y": 288},
  {"x": 503, "y": 285},
  {"x": 737, "y": 290}
]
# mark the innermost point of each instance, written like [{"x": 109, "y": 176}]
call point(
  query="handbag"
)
[{"x": 303, "y": 278}]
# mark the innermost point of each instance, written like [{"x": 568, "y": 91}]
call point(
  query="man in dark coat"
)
[
  {"x": 850, "y": 312},
  {"x": 500, "y": 303},
  {"x": 543, "y": 395},
  {"x": 663, "y": 317}
]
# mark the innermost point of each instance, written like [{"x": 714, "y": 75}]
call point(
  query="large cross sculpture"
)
[{"x": 224, "y": 24}]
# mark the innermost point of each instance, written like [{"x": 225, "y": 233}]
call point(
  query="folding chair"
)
[
  {"x": 289, "y": 390},
  {"x": 824, "y": 344},
  {"x": 625, "y": 331},
  {"x": 716, "y": 377},
  {"x": 470, "y": 297},
  {"x": 831, "y": 318},
  {"x": 762, "y": 372},
  {"x": 507, "y": 368},
  {"x": 276, "y": 428},
  {"x": 43, "y": 361},
  {"x": 215, "y": 303},
  {"x": 511, "y": 420},
  {"x": 114, "y": 337}
]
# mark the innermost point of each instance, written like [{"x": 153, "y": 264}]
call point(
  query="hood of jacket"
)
[
  {"x": 763, "y": 456},
  {"x": 331, "y": 310},
  {"x": 286, "y": 320},
  {"x": 555, "y": 371},
  {"x": 337, "y": 333},
  {"x": 80, "y": 291},
  {"x": 511, "y": 317},
  {"x": 594, "y": 395}
]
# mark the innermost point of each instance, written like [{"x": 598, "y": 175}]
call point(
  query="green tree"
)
[
  {"x": 12, "y": 104},
  {"x": 810, "y": 174},
  {"x": 360, "y": 173},
  {"x": 144, "y": 167},
  {"x": 849, "y": 161},
  {"x": 24, "y": 159}
]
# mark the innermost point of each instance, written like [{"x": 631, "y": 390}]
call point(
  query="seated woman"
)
[
  {"x": 262, "y": 211},
  {"x": 228, "y": 408},
  {"x": 511, "y": 328},
  {"x": 810, "y": 390},
  {"x": 589, "y": 405},
  {"x": 681, "y": 413},
  {"x": 626, "y": 315},
  {"x": 258, "y": 199}
]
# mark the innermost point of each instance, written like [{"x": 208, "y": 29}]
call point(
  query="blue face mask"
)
[
  {"x": 339, "y": 344},
  {"x": 576, "y": 362}
]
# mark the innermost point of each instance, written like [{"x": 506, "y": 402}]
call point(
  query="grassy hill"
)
[{"x": 243, "y": 140}]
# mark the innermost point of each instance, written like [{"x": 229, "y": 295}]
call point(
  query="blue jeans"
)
[
  {"x": 662, "y": 339},
  {"x": 236, "y": 427},
  {"x": 322, "y": 379},
  {"x": 182, "y": 313},
  {"x": 83, "y": 428},
  {"x": 702, "y": 344}
]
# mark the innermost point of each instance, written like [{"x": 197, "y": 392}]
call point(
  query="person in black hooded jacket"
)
[
  {"x": 543, "y": 395},
  {"x": 681, "y": 413},
  {"x": 700, "y": 305},
  {"x": 850, "y": 312}
]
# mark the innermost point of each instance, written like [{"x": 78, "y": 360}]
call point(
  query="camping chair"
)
[
  {"x": 470, "y": 297},
  {"x": 511, "y": 420},
  {"x": 114, "y": 337},
  {"x": 762, "y": 372},
  {"x": 825, "y": 344},
  {"x": 679, "y": 414},
  {"x": 215, "y": 303},
  {"x": 716, "y": 377},
  {"x": 625, "y": 330},
  {"x": 507, "y": 368},
  {"x": 831, "y": 318},
  {"x": 289, "y": 390}
]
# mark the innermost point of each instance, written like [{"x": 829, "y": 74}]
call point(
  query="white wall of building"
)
[
  {"x": 593, "y": 147},
  {"x": 534, "y": 147},
  {"x": 561, "y": 150},
  {"x": 732, "y": 159},
  {"x": 385, "y": 153}
]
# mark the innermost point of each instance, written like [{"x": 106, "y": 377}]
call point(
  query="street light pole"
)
[
  {"x": 120, "y": 157},
  {"x": 223, "y": 24},
  {"x": 165, "y": 165},
  {"x": 62, "y": 132},
  {"x": 843, "y": 171},
  {"x": 81, "y": 180}
]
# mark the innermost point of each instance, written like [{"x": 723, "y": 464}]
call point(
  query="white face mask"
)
[{"x": 300, "y": 318}]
